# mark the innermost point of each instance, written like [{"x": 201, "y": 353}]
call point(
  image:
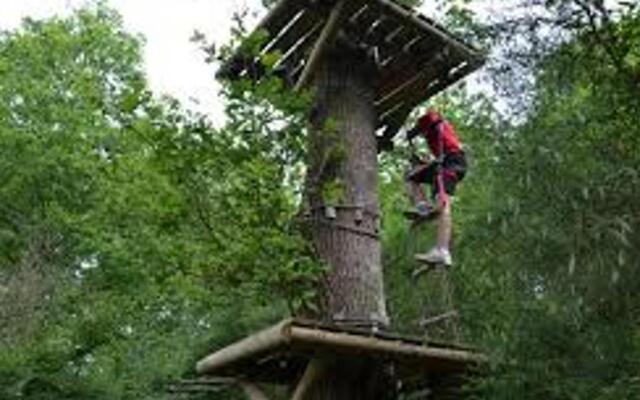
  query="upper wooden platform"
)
[
  {"x": 278, "y": 355},
  {"x": 416, "y": 58}
]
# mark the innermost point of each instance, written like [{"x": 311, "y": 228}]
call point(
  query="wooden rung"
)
[{"x": 439, "y": 318}]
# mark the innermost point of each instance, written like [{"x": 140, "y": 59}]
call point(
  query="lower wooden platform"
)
[{"x": 280, "y": 354}]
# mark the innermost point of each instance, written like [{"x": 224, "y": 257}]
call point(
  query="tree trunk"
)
[{"x": 342, "y": 189}]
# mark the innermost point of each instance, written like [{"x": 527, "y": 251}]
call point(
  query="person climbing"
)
[{"x": 443, "y": 171}]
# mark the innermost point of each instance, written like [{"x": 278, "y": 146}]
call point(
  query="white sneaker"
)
[{"x": 436, "y": 256}]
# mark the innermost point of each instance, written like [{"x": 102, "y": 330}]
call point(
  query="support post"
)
[{"x": 312, "y": 373}]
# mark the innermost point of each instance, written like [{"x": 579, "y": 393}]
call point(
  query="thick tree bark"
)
[
  {"x": 343, "y": 187},
  {"x": 342, "y": 190}
]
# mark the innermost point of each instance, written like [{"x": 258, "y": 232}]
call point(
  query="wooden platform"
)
[
  {"x": 278, "y": 355},
  {"x": 416, "y": 58}
]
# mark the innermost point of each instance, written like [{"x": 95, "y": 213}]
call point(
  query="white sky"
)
[{"x": 174, "y": 64}]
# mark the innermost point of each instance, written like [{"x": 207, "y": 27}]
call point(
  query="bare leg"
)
[
  {"x": 445, "y": 226},
  {"x": 440, "y": 253}
]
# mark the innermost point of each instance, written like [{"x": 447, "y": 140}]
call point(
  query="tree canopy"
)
[{"x": 135, "y": 236}]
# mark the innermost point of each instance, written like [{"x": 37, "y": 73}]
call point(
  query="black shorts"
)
[{"x": 454, "y": 168}]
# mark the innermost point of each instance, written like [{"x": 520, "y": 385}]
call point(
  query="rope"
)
[
  {"x": 354, "y": 207},
  {"x": 351, "y": 229}
]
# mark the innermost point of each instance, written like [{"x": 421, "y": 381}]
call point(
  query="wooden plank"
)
[
  {"x": 211, "y": 381},
  {"x": 381, "y": 334},
  {"x": 399, "y": 46},
  {"x": 438, "y": 318},
  {"x": 403, "y": 56},
  {"x": 375, "y": 347},
  {"x": 276, "y": 19},
  {"x": 361, "y": 21},
  {"x": 390, "y": 43},
  {"x": 452, "y": 76},
  {"x": 406, "y": 61},
  {"x": 296, "y": 42},
  {"x": 373, "y": 23},
  {"x": 389, "y": 22},
  {"x": 429, "y": 87},
  {"x": 403, "y": 69},
  {"x": 425, "y": 90},
  {"x": 357, "y": 13},
  {"x": 291, "y": 32},
  {"x": 286, "y": 352},
  {"x": 292, "y": 60},
  {"x": 265, "y": 341},
  {"x": 298, "y": 28},
  {"x": 382, "y": 28},
  {"x": 411, "y": 17},
  {"x": 399, "y": 29},
  {"x": 414, "y": 82},
  {"x": 278, "y": 16},
  {"x": 192, "y": 389},
  {"x": 395, "y": 121},
  {"x": 412, "y": 41},
  {"x": 326, "y": 38},
  {"x": 291, "y": 40}
]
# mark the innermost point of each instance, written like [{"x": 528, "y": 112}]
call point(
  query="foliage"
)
[
  {"x": 548, "y": 275},
  {"x": 132, "y": 233},
  {"x": 135, "y": 237},
  {"x": 545, "y": 243}
]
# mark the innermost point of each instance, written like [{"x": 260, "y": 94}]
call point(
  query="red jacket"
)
[{"x": 439, "y": 131}]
